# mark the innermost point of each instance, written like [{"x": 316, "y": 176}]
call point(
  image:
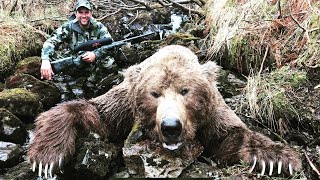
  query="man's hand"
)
[
  {"x": 89, "y": 57},
  {"x": 46, "y": 70}
]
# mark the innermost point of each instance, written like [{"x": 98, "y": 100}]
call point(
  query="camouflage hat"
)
[{"x": 83, "y": 3}]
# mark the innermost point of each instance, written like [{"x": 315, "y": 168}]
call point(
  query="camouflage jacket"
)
[{"x": 71, "y": 33}]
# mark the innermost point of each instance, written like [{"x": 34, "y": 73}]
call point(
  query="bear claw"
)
[
  {"x": 40, "y": 169},
  {"x": 46, "y": 171},
  {"x": 263, "y": 163},
  {"x": 271, "y": 168},
  {"x": 290, "y": 169},
  {"x": 271, "y": 163},
  {"x": 254, "y": 164},
  {"x": 279, "y": 167}
]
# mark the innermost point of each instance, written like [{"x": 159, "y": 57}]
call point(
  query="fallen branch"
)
[
  {"x": 148, "y": 7},
  {"x": 311, "y": 164},
  {"x": 42, "y": 33},
  {"x": 201, "y": 13},
  {"x": 107, "y": 15},
  {"x": 50, "y": 18}
]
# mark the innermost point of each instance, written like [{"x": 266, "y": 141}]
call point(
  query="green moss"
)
[
  {"x": 28, "y": 60},
  {"x": 30, "y": 65},
  {"x": 287, "y": 78},
  {"x": 6, "y": 51},
  {"x": 134, "y": 135},
  {"x": 283, "y": 107},
  {"x": 245, "y": 53},
  {"x": 18, "y": 92},
  {"x": 22, "y": 103}
]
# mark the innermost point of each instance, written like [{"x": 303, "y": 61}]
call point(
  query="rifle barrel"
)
[{"x": 136, "y": 37}]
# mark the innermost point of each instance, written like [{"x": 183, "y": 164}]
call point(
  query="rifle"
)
[{"x": 61, "y": 64}]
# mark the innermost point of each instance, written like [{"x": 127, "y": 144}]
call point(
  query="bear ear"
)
[{"x": 211, "y": 70}]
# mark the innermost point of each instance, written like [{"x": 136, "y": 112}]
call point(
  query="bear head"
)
[{"x": 173, "y": 95}]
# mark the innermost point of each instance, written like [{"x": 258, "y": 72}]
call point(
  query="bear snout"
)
[{"x": 171, "y": 128}]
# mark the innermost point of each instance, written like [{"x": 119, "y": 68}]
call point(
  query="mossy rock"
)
[
  {"x": 17, "y": 41},
  {"x": 48, "y": 93},
  {"x": 30, "y": 65},
  {"x": 21, "y": 102},
  {"x": 12, "y": 129}
]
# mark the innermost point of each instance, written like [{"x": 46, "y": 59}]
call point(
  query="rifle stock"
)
[{"x": 62, "y": 64}]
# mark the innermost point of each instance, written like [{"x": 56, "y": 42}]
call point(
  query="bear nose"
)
[{"x": 171, "y": 128}]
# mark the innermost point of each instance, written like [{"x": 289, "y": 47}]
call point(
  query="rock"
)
[
  {"x": 11, "y": 128},
  {"x": 48, "y": 93},
  {"x": 108, "y": 82},
  {"x": 149, "y": 159},
  {"x": 22, "y": 103},
  {"x": 20, "y": 172},
  {"x": 10, "y": 154},
  {"x": 200, "y": 170},
  {"x": 17, "y": 41},
  {"x": 229, "y": 85},
  {"x": 144, "y": 158},
  {"x": 30, "y": 65},
  {"x": 94, "y": 159}
]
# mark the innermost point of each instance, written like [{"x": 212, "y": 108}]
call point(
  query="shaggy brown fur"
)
[
  {"x": 55, "y": 131},
  {"x": 175, "y": 99}
]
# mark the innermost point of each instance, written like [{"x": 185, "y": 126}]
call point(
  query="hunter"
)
[{"x": 74, "y": 32}]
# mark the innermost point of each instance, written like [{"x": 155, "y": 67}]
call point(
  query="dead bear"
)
[{"x": 176, "y": 100}]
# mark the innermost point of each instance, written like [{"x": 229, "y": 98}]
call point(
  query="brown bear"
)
[{"x": 175, "y": 99}]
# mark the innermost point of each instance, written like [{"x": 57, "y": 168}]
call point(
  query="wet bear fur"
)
[{"x": 175, "y": 99}]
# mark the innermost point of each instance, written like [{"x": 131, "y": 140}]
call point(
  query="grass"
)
[
  {"x": 267, "y": 97},
  {"x": 289, "y": 30}
]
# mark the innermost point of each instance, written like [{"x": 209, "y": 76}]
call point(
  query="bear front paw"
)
[
  {"x": 277, "y": 158},
  {"x": 46, "y": 168}
]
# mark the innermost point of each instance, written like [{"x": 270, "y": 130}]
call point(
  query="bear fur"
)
[{"x": 176, "y": 100}]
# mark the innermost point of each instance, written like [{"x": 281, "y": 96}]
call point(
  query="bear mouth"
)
[{"x": 172, "y": 146}]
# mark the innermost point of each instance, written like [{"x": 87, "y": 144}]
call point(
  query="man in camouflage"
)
[{"x": 74, "y": 32}]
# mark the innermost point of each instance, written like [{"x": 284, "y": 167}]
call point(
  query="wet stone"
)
[
  {"x": 10, "y": 154},
  {"x": 11, "y": 128},
  {"x": 21, "y": 172},
  {"x": 48, "y": 94},
  {"x": 22, "y": 103},
  {"x": 93, "y": 159},
  {"x": 149, "y": 159}
]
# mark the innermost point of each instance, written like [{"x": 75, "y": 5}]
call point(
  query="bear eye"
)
[
  {"x": 155, "y": 94},
  {"x": 184, "y": 91}
]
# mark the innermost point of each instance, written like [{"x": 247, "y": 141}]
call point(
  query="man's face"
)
[{"x": 83, "y": 15}]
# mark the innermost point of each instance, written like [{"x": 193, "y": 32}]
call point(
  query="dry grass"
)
[
  {"x": 288, "y": 28},
  {"x": 267, "y": 97}
]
